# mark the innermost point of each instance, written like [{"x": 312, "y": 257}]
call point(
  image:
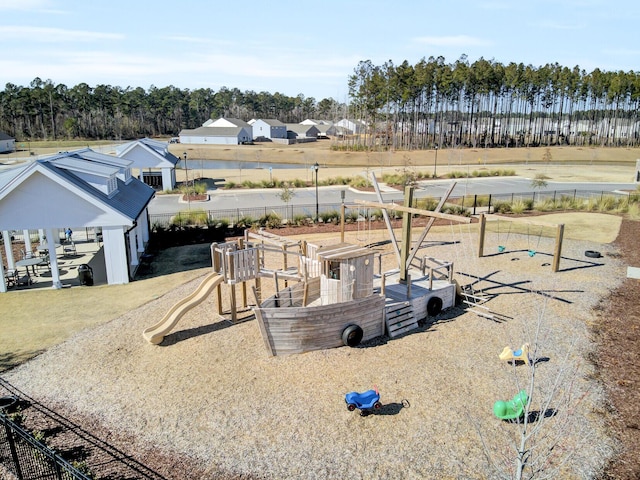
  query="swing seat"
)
[
  {"x": 501, "y": 248},
  {"x": 532, "y": 253}
]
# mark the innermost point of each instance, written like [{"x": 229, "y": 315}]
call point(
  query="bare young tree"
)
[{"x": 553, "y": 437}]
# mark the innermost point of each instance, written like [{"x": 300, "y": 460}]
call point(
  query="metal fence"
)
[
  {"x": 27, "y": 459},
  {"x": 473, "y": 203}
]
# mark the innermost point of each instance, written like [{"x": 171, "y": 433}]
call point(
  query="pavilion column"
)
[
  {"x": 133, "y": 249},
  {"x": 27, "y": 242},
  {"x": 143, "y": 224},
  {"x": 11, "y": 263},
  {"x": 3, "y": 283},
  {"x": 53, "y": 259},
  {"x": 115, "y": 255},
  {"x": 140, "y": 238}
]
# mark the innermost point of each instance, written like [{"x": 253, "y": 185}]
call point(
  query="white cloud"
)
[
  {"x": 551, "y": 25},
  {"x": 46, "y": 35},
  {"x": 24, "y": 4},
  {"x": 453, "y": 41}
]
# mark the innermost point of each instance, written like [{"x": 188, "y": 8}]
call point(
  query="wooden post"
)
[
  {"x": 406, "y": 234},
  {"x": 284, "y": 263},
  {"x": 234, "y": 313},
  {"x": 342, "y": 209},
  {"x": 305, "y": 294},
  {"x": 258, "y": 285},
  {"x": 558, "y": 250},
  {"x": 244, "y": 283},
  {"x": 215, "y": 260},
  {"x": 408, "y": 287},
  {"x": 483, "y": 225}
]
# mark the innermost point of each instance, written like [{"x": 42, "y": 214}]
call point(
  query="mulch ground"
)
[{"x": 616, "y": 332}]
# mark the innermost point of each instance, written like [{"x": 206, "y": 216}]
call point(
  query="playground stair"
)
[
  {"x": 475, "y": 303},
  {"x": 399, "y": 318}
]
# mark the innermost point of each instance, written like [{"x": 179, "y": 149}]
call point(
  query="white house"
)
[
  {"x": 226, "y": 122},
  {"x": 217, "y": 136},
  {"x": 223, "y": 131},
  {"x": 268, "y": 129},
  {"x": 302, "y": 133},
  {"x": 83, "y": 189},
  {"x": 326, "y": 130},
  {"x": 7, "y": 143},
  {"x": 352, "y": 126},
  {"x": 155, "y": 165},
  {"x": 312, "y": 121}
]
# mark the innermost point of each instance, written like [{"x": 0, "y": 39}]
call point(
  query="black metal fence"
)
[
  {"x": 473, "y": 203},
  {"x": 27, "y": 459}
]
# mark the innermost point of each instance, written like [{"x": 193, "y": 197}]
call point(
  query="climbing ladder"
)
[
  {"x": 475, "y": 302},
  {"x": 399, "y": 318}
]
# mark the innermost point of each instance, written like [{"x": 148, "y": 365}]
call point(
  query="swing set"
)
[{"x": 559, "y": 227}]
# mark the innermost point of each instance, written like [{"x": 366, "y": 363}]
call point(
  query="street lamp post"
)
[
  {"x": 186, "y": 175},
  {"x": 435, "y": 164},
  {"x": 186, "y": 170},
  {"x": 315, "y": 169}
]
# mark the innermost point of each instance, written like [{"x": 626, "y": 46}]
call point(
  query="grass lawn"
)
[{"x": 31, "y": 321}]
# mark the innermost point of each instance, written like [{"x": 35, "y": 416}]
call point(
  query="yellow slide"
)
[{"x": 156, "y": 333}]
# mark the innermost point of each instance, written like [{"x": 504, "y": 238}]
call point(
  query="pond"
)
[{"x": 232, "y": 165}]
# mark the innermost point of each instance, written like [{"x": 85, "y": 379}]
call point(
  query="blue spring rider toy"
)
[{"x": 365, "y": 401}]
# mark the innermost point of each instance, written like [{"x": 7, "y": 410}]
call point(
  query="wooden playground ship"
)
[
  {"x": 341, "y": 299},
  {"x": 337, "y": 294}
]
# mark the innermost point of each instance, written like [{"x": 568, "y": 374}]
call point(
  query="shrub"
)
[
  {"x": 456, "y": 174},
  {"x": 455, "y": 210},
  {"x": 245, "y": 222},
  {"x": 300, "y": 219},
  {"x": 427, "y": 203},
  {"x": 520, "y": 206},
  {"x": 359, "y": 182},
  {"x": 546, "y": 205},
  {"x": 270, "y": 220},
  {"x": 223, "y": 223},
  {"x": 200, "y": 188},
  {"x": 502, "y": 207},
  {"x": 351, "y": 216},
  {"x": 190, "y": 217},
  {"x": 482, "y": 200},
  {"x": 328, "y": 217},
  {"x": 634, "y": 211}
]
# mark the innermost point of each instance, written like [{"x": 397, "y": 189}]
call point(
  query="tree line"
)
[
  {"x": 489, "y": 104},
  {"x": 48, "y": 111},
  {"x": 431, "y": 103}
]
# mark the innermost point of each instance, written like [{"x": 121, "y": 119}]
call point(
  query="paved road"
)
[{"x": 229, "y": 199}]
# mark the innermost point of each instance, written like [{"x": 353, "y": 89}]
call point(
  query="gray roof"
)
[
  {"x": 132, "y": 197},
  {"x": 4, "y": 136},
  {"x": 237, "y": 122},
  {"x": 160, "y": 148},
  {"x": 298, "y": 128},
  {"x": 215, "y": 132},
  {"x": 272, "y": 122}
]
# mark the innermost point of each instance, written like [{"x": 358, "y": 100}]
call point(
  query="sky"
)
[{"x": 294, "y": 47}]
